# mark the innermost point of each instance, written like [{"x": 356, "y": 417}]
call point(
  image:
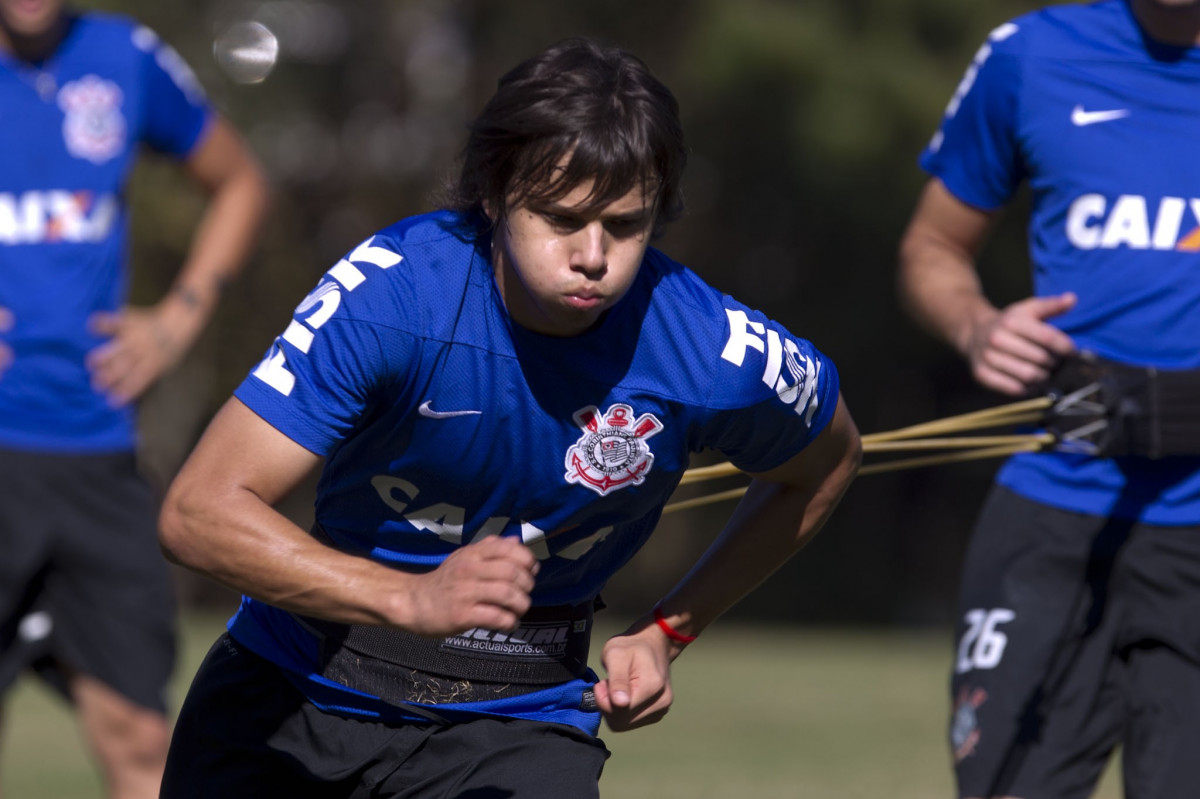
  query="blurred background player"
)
[
  {"x": 1080, "y": 603},
  {"x": 85, "y": 596},
  {"x": 501, "y": 398}
]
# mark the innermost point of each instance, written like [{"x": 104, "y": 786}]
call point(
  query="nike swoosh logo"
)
[
  {"x": 1079, "y": 117},
  {"x": 430, "y": 413}
]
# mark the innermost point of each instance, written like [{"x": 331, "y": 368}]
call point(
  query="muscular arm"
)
[
  {"x": 1010, "y": 350},
  {"x": 147, "y": 342},
  {"x": 218, "y": 519},
  {"x": 782, "y": 510}
]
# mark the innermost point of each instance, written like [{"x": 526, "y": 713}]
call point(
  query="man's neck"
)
[
  {"x": 37, "y": 47},
  {"x": 1170, "y": 23}
]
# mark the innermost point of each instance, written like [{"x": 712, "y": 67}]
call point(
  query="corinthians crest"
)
[
  {"x": 93, "y": 126},
  {"x": 612, "y": 452}
]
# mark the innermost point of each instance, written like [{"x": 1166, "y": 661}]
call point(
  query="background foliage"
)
[{"x": 804, "y": 120}]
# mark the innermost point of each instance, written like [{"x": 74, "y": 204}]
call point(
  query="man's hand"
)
[
  {"x": 142, "y": 346},
  {"x": 484, "y": 584},
  {"x": 1010, "y": 350},
  {"x": 637, "y": 691},
  {"x": 1014, "y": 350}
]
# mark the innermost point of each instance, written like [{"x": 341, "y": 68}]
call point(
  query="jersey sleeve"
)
[
  {"x": 342, "y": 351},
  {"x": 775, "y": 393},
  {"x": 176, "y": 110},
  {"x": 974, "y": 152}
]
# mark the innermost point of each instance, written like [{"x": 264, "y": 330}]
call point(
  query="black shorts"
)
[
  {"x": 83, "y": 583},
  {"x": 1077, "y": 634},
  {"x": 245, "y": 731}
]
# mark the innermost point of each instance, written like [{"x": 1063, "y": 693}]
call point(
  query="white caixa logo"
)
[
  {"x": 57, "y": 215},
  {"x": 1134, "y": 221},
  {"x": 448, "y": 522}
]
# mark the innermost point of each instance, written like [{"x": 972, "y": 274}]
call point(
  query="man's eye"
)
[
  {"x": 626, "y": 227},
  {"x": 561, "y": 222}
]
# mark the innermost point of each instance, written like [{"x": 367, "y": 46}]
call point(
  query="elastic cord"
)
[{"x": 670, "y": 631}]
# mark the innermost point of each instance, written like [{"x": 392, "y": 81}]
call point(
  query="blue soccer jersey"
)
[
  {"x": 70, "y": 128},
  {"x": 442, "y": 422},
  {"x": 1101, "y": 122}
]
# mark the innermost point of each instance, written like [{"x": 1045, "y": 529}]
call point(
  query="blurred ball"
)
[{"x": 247, "y": 51}]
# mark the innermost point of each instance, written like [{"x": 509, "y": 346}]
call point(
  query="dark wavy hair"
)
[{"x": 597, "y": 104}]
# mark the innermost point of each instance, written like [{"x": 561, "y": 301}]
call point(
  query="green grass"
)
[
  {"x": 780, "y": 712},
  {"x": 759, "y": 712}
]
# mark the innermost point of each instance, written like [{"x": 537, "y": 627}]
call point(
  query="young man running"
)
[{"x": 500, "y": 397}]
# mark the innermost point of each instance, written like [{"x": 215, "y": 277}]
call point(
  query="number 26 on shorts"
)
[{"x": 982, "y": 644}]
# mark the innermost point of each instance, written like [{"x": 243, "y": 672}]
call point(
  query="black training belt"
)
[
  {"x": 549, "y": 646},
  {"x": 1104, "y": 408}
]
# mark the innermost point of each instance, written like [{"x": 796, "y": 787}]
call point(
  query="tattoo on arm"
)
[
  {"x": 192, "y": 299},
  {"x": 189, "y": 297}
]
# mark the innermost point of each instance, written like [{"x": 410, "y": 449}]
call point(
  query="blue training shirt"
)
[
  {"x": 442, "y": 422},
  {"x": 1101, "y": 121},
  {"x": 70, "y": 129}
]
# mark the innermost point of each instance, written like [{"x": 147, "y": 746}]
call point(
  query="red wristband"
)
[{"x": 670, "y": 631}]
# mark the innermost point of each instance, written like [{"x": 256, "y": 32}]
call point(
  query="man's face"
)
[
  {"x": 28, "y": 18},
  {"x": 560, "y": 267}
]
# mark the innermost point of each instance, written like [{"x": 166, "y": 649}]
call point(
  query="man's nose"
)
[{"x": 589, "y": 253}]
